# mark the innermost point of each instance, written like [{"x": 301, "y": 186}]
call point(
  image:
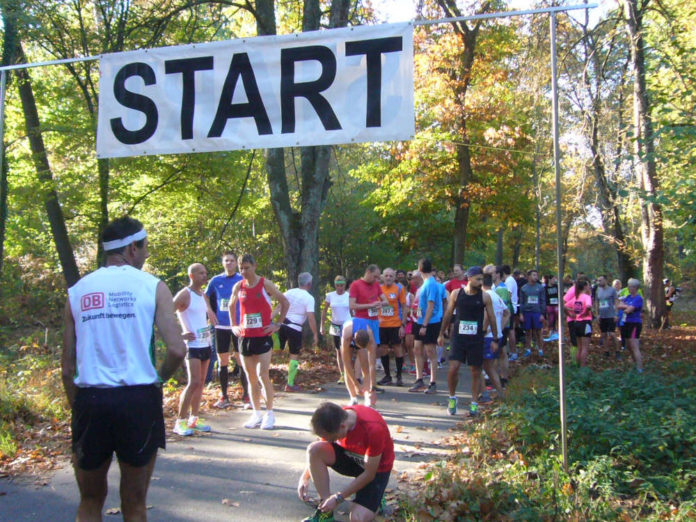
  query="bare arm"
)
[
  {"x": 447, "y": 316},
  {"x": 276, "y": 294},
  {"x": 490, "y": 313},
  {"x": 311, "y": 319},
  {"x": 211, "y": 315},
  {"x": 168, "y": 329},
  {"x": 182, "y": 300},
  {"x": 359, "y": 482},
  {"x": 232, "y": 308},
  {"x": 68, "y": 359}
]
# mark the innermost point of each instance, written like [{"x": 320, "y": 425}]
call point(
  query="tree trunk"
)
[
  {"x": 652, "y": 232},
  {"x": 299, "y": 229},
  {"x": 499, "y": 247},
  {"x": 43, "y": 172}
]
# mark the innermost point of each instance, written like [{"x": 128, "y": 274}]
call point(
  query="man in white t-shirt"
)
[
  {"x": 338, "y": 302},
  {"x": 490, "y": 356},
  {"x": 511, "y": 285},
  {"x": 110, "y": 317},
  {"x": 301, "y": 310}
]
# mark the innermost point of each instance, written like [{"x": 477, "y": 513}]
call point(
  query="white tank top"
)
[
  {"x": 114, "y": 313},
  {"x": 195, "y": 319}
]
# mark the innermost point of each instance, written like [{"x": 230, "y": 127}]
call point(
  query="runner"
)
[
  {"x": 355, "y": 442},
  {"x": 427, "y": 327},
  {"x": 366, "y": 300},
  {"x": 491, "y": 356},
  {"x": 459, "y": 280},
  {"x": 607, "y": 299},
  {"x": 392, "y": 322},
  {"x": 470, "y": 304},
  {"x": 409, "y": 338},
  {"x": 578, "y": 308},
  {"x": 254, "y": 329},
  {"x": 402, "y": 279},
  {"x": 358, "y": 340},
  {"x": 511, "y": 285},
  {"x": 532, "y": 308},
  {"x": 194, "y": 312},
  {"x": 109, "y": 318},
  {"x": 219, "y": 292},
  {"x": 301, "y": 309},
  {"x": 670, "y": 297},
  {"x": 339, "y": 303},
  {"x": 552, "y": 307},
  {"x": 632, "y": 305},
  {"x": 502, "y": 291}
]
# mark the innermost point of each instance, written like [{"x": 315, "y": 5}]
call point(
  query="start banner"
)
[{"x": 328, "y": 87}]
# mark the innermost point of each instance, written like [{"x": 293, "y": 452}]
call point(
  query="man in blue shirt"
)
[
  {"x": 219, "y": 291},
  {"x": 427, "y": 327}
]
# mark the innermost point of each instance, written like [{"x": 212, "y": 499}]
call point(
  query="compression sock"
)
[
  {"x": 399, "y": 365},
  {"x": 385, "y": 365},
  {"x": 292, "y": 371},
  {"x": 224, "y": 380},
  {"x": 243, "y": 381}
]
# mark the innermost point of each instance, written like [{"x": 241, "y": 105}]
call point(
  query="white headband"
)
[{"x": 118, "y": 243}]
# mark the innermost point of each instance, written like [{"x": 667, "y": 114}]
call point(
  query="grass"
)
[{"x": 632, "y": 453}]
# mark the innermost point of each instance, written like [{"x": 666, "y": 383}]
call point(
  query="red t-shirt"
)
[
  {"x": 364, "y": 293},
  {"x": 254, "y": 309},
  {"x": 453, "y": 284},
  {"x": 369, "y": 437}
]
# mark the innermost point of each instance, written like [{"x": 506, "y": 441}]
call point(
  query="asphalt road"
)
[{"x": 234, "y": 473}]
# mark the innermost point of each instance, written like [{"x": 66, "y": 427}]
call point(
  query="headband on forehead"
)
[{"x": 119, "y": 243}]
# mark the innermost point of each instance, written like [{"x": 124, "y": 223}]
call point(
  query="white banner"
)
[{"x": 343, "y": 85}]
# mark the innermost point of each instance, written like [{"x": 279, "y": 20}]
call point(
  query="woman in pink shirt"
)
[{"x": 578, "y": 307}]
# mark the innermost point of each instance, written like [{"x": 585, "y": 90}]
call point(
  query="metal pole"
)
[
  {"x": 50, "y": 62},
  {"x": 504, "y": 14},
  {"x": 559, "y": 239}
]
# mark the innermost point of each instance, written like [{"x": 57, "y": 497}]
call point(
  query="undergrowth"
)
[{"x": 631, "y": 452}]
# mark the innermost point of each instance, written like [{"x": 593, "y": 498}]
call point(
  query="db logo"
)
[{"x": 92, "y": 301}]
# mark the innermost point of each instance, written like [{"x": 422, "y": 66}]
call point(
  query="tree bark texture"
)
[
  {"x": 652, "y": 232},
  {"x": 43, "y": 172}
]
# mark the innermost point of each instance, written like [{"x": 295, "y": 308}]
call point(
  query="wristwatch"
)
[{"x": 339, "y": 498}]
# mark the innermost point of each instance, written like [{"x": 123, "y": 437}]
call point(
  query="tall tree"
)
[
  {"x": 652, "y": 233},
  {"x": 10, "y": 12}
]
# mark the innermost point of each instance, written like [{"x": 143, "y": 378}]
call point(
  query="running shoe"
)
[
  {"x": 195, "y": 424},
  {"x": 473, "y": 410},
  {"x": 399, "y": 382},
  {"x": 353, "y": 401},
  {"x": 541, "y": 352},
  {"x": 254, "y": 421},
  {"x": 377, "y": 389},
  {"x": 527, "y": 353},
  {"x": 412, "y": 370},
  {"x": 341, "y": 380},
  {"x": 320, "y": 516},
  {"x": 386, "y": 380},
  {"x": 222, "y": 403},
  {"x": 180, "y": 428},
  {"x": 268, "y": 421},
  {"x": 378, "y": 366},
  {"x": 293, "y": 388},
  {"x": 452, "y": 406},
  {"x": 485, "y": 398},
  {"x": 418, "y": 386},
  {"x": 432, "y": 388}
]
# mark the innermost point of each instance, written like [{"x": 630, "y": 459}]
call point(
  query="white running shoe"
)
[
  {"x": 254, "y": 421},
  {"x": 268, "y": 420},
  {"x": 180, "y": 428},
  {"x": 353, "y": 401}
]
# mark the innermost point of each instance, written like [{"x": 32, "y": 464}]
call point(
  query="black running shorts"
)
[
  {"x": 431, "y": 333},
  {"x": 467, "y": 353},
  {"x": 290, "y": 336},
  {"x": 223, "y": 340},
  {"x": 127, "y": 420},
  {"x": 202, "y": 354},
  {"x": 371, "y": 495},
  {"x": 607, "y": 324},
  {"x": 389, "y": 336},
  {"x": 255, "y": 345}
]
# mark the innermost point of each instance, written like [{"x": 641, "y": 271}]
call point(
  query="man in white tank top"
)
[
  {"x": 194, "y": 311},
  {"x": 109, "y": 374}
]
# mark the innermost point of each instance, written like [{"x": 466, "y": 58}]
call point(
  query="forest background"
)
[{"x": 476, "y": 184}]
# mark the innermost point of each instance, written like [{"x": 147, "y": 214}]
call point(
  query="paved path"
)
[{"x": 257, "y": 471}]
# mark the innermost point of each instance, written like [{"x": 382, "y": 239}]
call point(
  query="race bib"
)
[
  {"x": 387, "y": 311},
  {"x": 373, "y": 312},
  {"x": 605, "y": 303},
  {"x": 468, "y": 327},
  {"x": 252, "y": 321},
  {"x": 533, "y": 299},
  {"x": 553, "y": 300},
  {"x": 204, "y": 334},
  {"x": 335, "y": 330},
  {"x": 224, "y": 304},
  {"x": 419, "y": 313}
]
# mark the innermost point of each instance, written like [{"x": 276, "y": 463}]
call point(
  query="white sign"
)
[{"x": 318, "y": 88}]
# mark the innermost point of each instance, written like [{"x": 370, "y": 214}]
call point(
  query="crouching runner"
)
[{"x": 356, "y": 443}]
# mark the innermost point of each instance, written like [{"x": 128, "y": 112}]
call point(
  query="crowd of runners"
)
[{"x": 483, "y": 317}]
